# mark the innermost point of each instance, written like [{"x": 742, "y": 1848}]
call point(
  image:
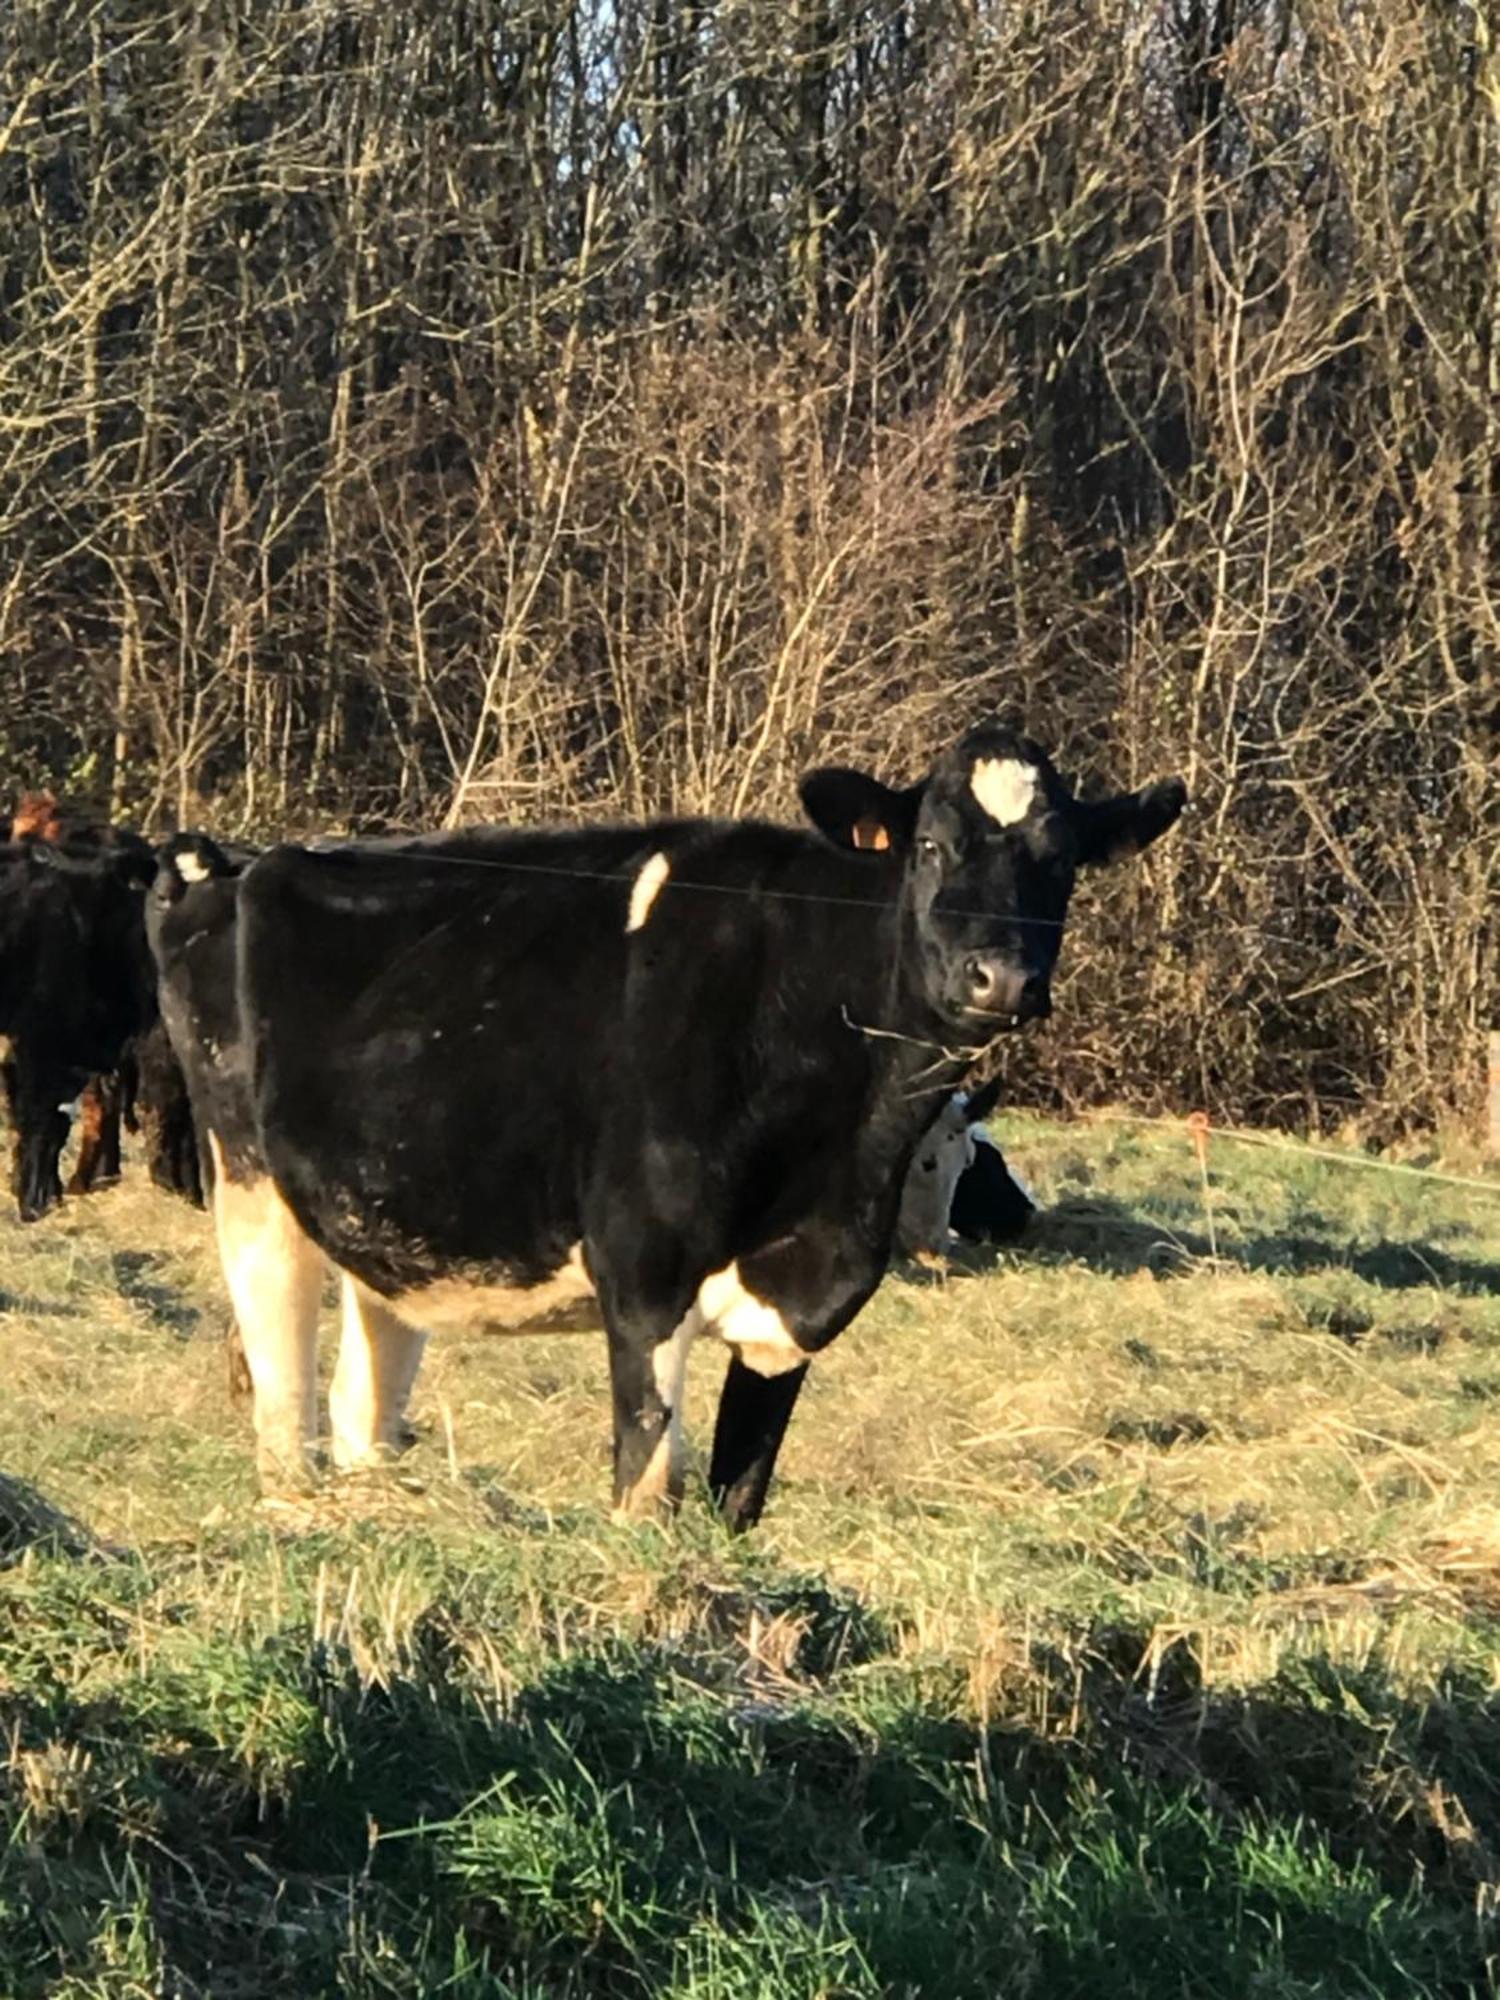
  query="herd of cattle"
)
[{"x": 687, "y": 1079}]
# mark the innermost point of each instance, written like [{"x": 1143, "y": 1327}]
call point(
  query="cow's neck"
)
[{"x": 915, "y": 1063}]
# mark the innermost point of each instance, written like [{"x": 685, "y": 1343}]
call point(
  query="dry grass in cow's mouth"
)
[{"x": 1125, "y": 1621}]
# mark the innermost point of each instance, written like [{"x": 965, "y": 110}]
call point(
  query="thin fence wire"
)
[
  {"x": 757, "y": 891},
  {"x": 1186, "y": 1126},
  {"x": 1302, "y": 1149}
]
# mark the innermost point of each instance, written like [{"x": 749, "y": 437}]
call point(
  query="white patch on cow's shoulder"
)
[
  {"x": 1005, "y": 787},
  {"x": 645, "y": 890},
  {"x": 190, "y": 866},
  {"x": 755, "y": 1330}
]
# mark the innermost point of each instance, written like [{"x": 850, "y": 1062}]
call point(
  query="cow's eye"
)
[{"x": 927, "y": 847}]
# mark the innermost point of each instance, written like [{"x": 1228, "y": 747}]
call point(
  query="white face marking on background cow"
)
[
  {"x": 1005, "y": 787},
  {"x": 756, "y": 1331},
  {"x": 190, "y": 867},
  {"x": 646, "y": 889},
  {"x": 926, "y": 1199}
]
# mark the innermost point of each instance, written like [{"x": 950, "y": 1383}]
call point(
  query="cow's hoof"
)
[
  {"x": 351, "y": 1464},
  {"x": 286, "y": 1478}
]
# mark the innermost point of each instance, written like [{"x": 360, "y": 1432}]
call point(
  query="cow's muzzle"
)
[{"x": 995, "y": 986}]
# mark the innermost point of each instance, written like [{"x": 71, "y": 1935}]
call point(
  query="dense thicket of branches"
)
[{"x": 515, "y": 407}]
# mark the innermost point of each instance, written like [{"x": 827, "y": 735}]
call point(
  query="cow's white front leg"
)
[
  {"x": 379, "y": 1354},
  {"x": 274, "y": 1275}
]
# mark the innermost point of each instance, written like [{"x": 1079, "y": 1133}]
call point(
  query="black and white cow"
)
[
  {"x": 958, "y": 1184},
  {"x": 684, "y": 1064}
]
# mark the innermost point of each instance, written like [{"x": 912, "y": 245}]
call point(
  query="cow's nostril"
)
[{"x": 984, "y": 980}]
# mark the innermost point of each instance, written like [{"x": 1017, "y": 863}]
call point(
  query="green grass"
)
[{"x": 1126, "y": 1621}]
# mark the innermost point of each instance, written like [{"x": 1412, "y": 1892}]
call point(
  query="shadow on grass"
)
[
  {"x": 1108, "y": 1237},
  {"x": 656, "y": 1815},
  {"x": 29, "y": 1522},
  {"x": 163, "y": 1304},
  {"x": 35, "y": 1308}
]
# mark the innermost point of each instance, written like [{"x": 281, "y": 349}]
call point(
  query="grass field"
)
[{"x": 1126, "y": 1620}]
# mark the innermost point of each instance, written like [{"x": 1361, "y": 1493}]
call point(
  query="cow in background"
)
[
  {"x": 78, "y": 1007},
  {"x": 958, "y": 1184},
  {"x": 75, "y": 990}
]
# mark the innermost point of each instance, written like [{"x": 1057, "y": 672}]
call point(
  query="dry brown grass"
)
[{"x": 1292, "y": 1438}]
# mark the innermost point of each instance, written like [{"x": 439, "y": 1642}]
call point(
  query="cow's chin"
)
[
  {"x": 991, "y": 1024},
  {"x": 975, "y": 1027}
]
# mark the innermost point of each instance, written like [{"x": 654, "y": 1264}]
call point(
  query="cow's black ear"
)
[
  {"x": 855, "y": 810},
  {"x": 1110, "y": 829},
  {"x": 982, "y": 1101}
]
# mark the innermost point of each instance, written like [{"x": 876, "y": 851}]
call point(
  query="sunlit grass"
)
[{"x": 1126, "y": 1619}]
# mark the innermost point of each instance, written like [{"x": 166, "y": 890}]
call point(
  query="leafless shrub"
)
[{"x": 524, "y": 408}]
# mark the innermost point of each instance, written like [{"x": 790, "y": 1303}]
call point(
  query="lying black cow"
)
[
  {"x": 714, "y": 1048},
  {"x": 990, "y": 1203}
]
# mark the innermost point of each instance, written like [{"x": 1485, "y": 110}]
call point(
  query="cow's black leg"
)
[
  {"x": 113, "y": 1091},
  {"x": 754, "y": 1411},
  {"x": 172, "y": 1142},
  {"x": 635, "y": 1263},
  {"x": 42, "y": 1132},
  {"x": 776, "y": 1307},
  {"x": 10, "y": 1083}
]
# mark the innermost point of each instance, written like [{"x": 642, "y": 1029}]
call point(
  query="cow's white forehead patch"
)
[
  {"x": 1005, "y": 787},
  {"x": 646, "y": 889},
  {"x": 190, "y": 867}
]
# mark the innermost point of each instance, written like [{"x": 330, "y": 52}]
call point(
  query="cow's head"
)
[{"x": 989, "y": 844}]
